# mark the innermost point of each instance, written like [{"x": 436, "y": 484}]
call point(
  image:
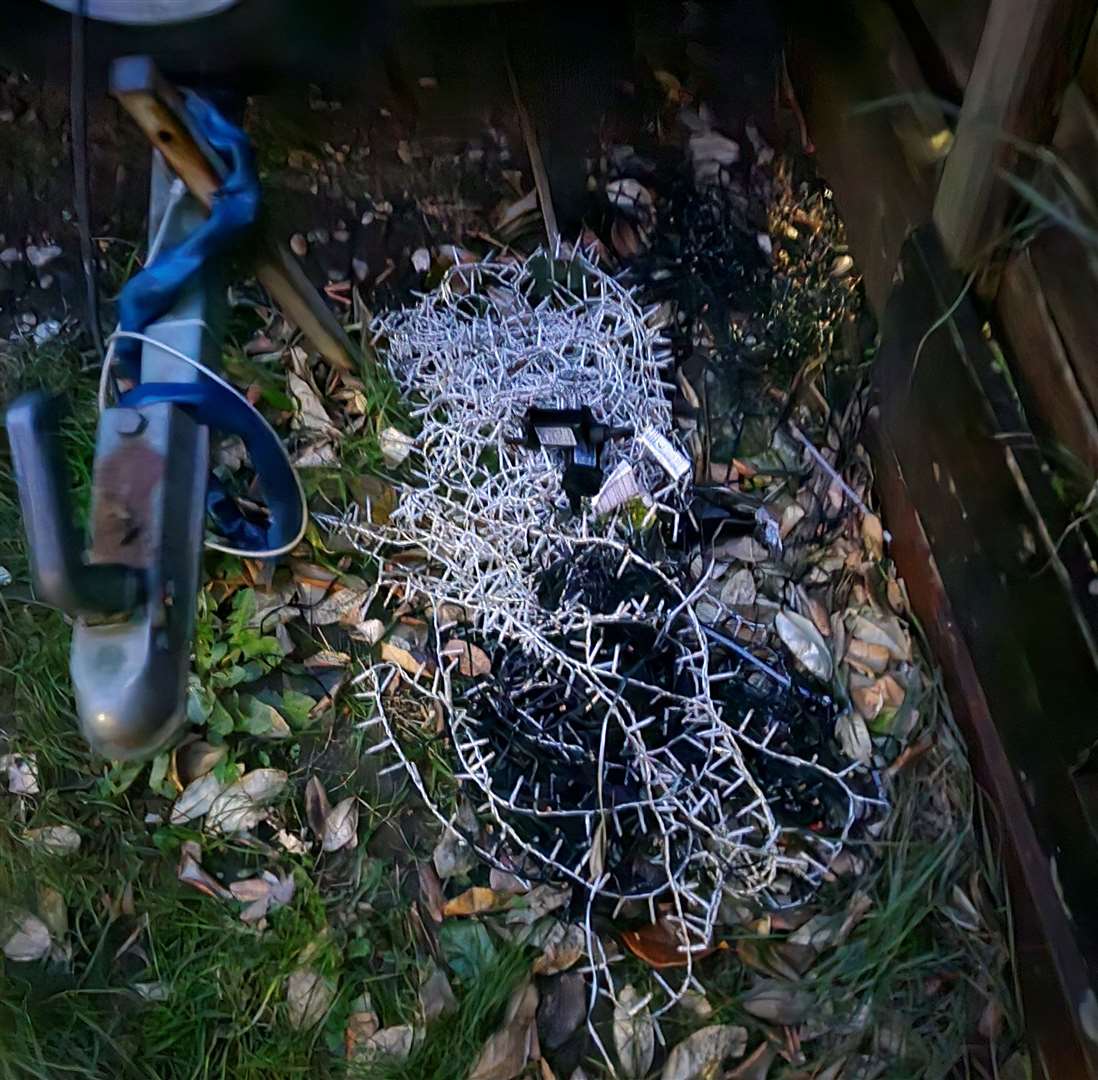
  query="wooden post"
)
[{"x": 1028, "y": 54}]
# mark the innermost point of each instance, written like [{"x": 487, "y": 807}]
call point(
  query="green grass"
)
[{"x": 224, "y": 1015}]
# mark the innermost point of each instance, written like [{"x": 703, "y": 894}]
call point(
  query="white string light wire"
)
[{"x": 475, "y": 528}]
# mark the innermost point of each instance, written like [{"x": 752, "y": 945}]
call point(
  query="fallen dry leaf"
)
[
  {"x": 506, "y": 1052},
  {"x": 854, "y": 737},
  {"x": 868, "y": 700},
  {"x": 562, "y": 948},
  {"x": 476, "y": 901},
  {"x": 739, "y": 589},
  {"x": 311, "y": 414},
  {"x": 757, "y": 1065},
  {"x": 395, "y": 446},
  {"x": 436, "y": 998},
  {"x": 26, "y": 938},
  {"x": 317, "y": 806},
  {"x": 362, "y": 1023},
  {"x": 22, "y": 770},
  {"x": 340, "y": 828},
  {"x": 659, "y": 946},
  {"x": 471, "y": 659},
  {"x": 804, "y": 641},
  {"x": 430, "y": 890},
  {"x": 196, "y": 798},
  {"x": 634, "y": 1034},
  {"x": 309, "y": 996},
  {"x": 394, "y": 1043},
  {"x": 777, "y": 1002},
  {"x": 191, "y": 872},
  {"x": 59, "y": 839},
  {"x": 196, "y": 759},
  {"x": 699, "y": 1056},
  {"x": 884, "y": 631},
  {"x": 873, "y": 537},
  {"x": 414, "y": 661},
  {"x": 241, "y": 806},
  {"x": 53, "y": 912},
  {"x": 453, "y": 855},
  {"x": 867, "y": 657}
]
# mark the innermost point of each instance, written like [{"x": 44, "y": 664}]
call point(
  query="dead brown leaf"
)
[
  {"x": 866, "y": 657},
  {"x": 777, "y": 1003},
  {"x": 471, "y": 659},
  {"x": 700, "y": 1056},
  {"x": 341, "y": 825},
  {"x": 412, "y": 660},
  {"x": 309, "y": 996},
  {"x": 190, "y": 872},
  {"x": 564, "y": 946},
  {"x": 506, "y": 1052},
  {"x": 659, "y": 946},
  {"x": 430, "y": 891},
  {"x": 476, "y": 901},
  {"x": 317, "y": 806},
  {"x": 873, "y": 537},
  {"x": 757, "y": 1065}
]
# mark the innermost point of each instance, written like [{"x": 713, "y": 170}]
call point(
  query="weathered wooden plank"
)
[
  {"x": 1011, "y": 609},
  {"x": 847, "y": 60},
  {"x": 955, "y": 29},
  {"x": 1060, "y": 1052},
  {"x": 1066, "y": 264},
  {"x": 1046, "y": 380},
  {"x": 1028, "y": 54}
]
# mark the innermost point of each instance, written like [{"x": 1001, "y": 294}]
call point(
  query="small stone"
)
[
  {"x": 28, "y": 320},
  {"x": 421, "y": 260},
  {"x": 361, "y": 268},
  {"x": 299, "y": 245},
  {"x": 341, "y": 234},
  {"x": 10, "y": 255},
  {"x": 45, "y": 281},
  {"x": 47, "y": 331},
  {"x": 40, "y": 257},
  {"x": 368, "y": 217},
  {"x": 842, "y": 266}
]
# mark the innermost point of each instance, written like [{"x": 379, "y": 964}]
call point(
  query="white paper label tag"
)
[
  {"x": 556, "y": 436},
  {"x": 672, "y": 460},
  {"x": 619, "y": 487}
]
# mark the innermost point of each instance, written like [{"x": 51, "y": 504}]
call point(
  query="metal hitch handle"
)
[{"x": 62, "y": 576}]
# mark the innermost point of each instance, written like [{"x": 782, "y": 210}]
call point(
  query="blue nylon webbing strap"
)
[
  {"x": 218, "y": 407},
  {"x": 150, "y": 294}
]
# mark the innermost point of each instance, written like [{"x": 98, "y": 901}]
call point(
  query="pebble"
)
[
  {"x": 299, "y": 245},
  {"x": 28, "y": 319},
  {"x": 40, "y": 257},
  {"x": 361, "y": 268},
  {"x": 368, "y": 217},
  {"x": 421, "y": 260},
  {"x": 841, "y": 266},
  {"x": 47, "y": 331},
  {"x": 10, "y": 255},
  {"x": 341, "y": 234},
  {"x": 45, "y": 281}
]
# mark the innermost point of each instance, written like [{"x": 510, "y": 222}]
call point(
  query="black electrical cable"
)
[{"x": 78, "y": 115}]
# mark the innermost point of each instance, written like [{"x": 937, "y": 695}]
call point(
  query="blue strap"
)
[
  {"x": 150, "y": 294},
  {"x": 217, "y": 406}
]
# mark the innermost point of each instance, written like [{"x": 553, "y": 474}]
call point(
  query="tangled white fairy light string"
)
[{"x": 615, "y": 743}]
